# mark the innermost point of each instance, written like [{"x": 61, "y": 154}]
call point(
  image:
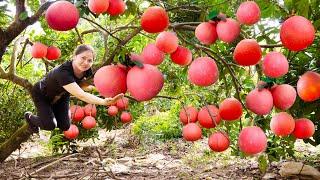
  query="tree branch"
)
[
  {"x": 208, "y": 49},
  {"x": 117, "y": 49},
  {"x": 49, "y": 63},
  {"x": 121, "y": 44},
  {"x": 167, "y": 97},
  {"x": 11, "y": 75},
  {"x": 15, "y": 28},
  {"x": 186, "y": 27},
  {"x": 20, "y": 7},
  {"x": 127, "y": 26},
  {"x": 53, "y": 163},
  {"x": 270, "y": 45},
  {"x": 189, "y": 26},
  {"x": 234, "y": 79},
  {"x": 183, "y": 6},
  {"x": 22, "y": 51},
  {"x": 12, "y": 69},
  {"x": 79, "y": 36},
  {"x": 124, "y": 28},
  {"x": 225, "y": 64},
  {"x": 280, "y": 7},
  {"x": 41, "y": 10},
  {"x": 106, "y": 48},
  {"x": 185, "y": 23},
  {"x": 2, "y": 72},
  {"x": 104, "y": 29},
  {"x": 89, "y": 31},
  {"x": 73, "y": 175},
  {"x": 17, "y": 80}
]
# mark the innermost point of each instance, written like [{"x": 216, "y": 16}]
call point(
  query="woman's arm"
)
[
  {"x": 87, "y": 87},
  {"x": 74, "y": 89}
]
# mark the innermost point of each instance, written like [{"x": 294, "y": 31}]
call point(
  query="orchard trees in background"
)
[{"x": 231, "y": 53}]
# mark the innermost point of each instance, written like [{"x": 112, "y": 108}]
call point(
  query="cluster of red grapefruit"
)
[
  {"x": 144, "y": 83},
  {"x": 39, "y": 50}
]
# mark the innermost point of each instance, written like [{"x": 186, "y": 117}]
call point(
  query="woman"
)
[{"x": 51, "y": 95}]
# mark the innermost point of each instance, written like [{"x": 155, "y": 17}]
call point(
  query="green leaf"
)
[
  {"x": 137, "y": 63},
  {"x": 317, "y": 24},
  {"x": 263, "y": 163},
  {"x": 33, "y": 5},
  {"x": 268, "y": 80},
  {"x": 303, "y": 8},
  {"x": 131, "y": 8},
  {"x": 23, "y": 15},
  {"x": 4, "y": 7},
  {"x": 79, "y": 3},
  {"x": 213, "y": 14},
  {"x": 84, "y": 11},
  {"x": 113, "y": 18},
  {"x": 247, "y": 115}
]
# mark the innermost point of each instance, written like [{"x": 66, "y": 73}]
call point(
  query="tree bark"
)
[
  {"x": 6, "y": 37},
  {"x": 13, "y": 143},
  {"x": 15, "y": 28}
]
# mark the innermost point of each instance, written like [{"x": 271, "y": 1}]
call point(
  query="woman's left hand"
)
[{"x": 110, "y": 101}]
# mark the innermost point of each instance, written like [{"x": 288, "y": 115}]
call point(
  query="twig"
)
[
  {"x": 27, "y": 62},
  {"x": 40, "y": 163},
  {"x": 56, "y": 176},
  {"x": 22, "y": 51},
  {"x": 110, "y": 173},
  {"x": 279, "y": 6},
  {"x": 106, "y": 47},
  {"x": 48, "y": 62},
  {"x": 79, "y": 36},
  {"x": 46, "y": 66},
  {"x": 167, "y": 97},
  {"x": 53, "y": 163},
  {"x": 270, "y": 45},
  {"x": 146, "y": 35},
  {"x": 301, "y": 169},
  {"x": 226, "y": 85},
  {"x": 84, "y": 174},
  {"x": 117, "y": 29},
  {"x": 104, "y": 29},
  {"x": 12, "y": 69},
  {"x": 121, "y": 44},
  {"x": 175, "y": 25},
  {"x": 2, "y": 72},
  {"x": 183, "y": 6},
  {"x": 191, "y": 26},
  {"x": 184, "y": 27},
  {"x": 213, "y": 117}
]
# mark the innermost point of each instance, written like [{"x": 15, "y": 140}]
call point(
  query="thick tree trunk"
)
[
  {"x": 6, "y": 37},
  {"x": 13, "y": 143}
]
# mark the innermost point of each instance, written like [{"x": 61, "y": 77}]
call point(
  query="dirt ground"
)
[{"x": 126, "y": 158}]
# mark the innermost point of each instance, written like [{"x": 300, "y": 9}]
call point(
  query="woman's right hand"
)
[{"x": 110, "y": 101}]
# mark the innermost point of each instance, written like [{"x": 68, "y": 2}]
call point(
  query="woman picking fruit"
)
[{"x": 51, "y": 94}]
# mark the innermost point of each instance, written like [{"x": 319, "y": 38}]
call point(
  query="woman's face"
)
[{"x": 84, "y": 60}]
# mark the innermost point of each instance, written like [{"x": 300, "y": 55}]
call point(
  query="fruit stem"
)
[
  {"x": 188, "y": 115},
  {"x": 252, "y": 122},
  {"x": 211, "y": 115}
]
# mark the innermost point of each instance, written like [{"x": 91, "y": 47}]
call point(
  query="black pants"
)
[{"x": 46, "y": 111}]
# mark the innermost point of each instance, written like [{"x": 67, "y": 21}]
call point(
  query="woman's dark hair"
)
[{"x": 82, "y": 48}]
